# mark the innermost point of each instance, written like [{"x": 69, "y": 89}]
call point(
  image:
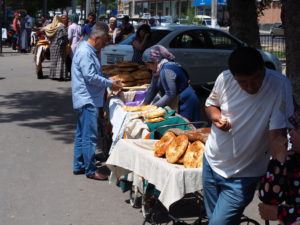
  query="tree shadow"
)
[{"x": 45, "y": 110}]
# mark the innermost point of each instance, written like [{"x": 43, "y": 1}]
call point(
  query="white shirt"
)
[{"x": 243, "y": 151}]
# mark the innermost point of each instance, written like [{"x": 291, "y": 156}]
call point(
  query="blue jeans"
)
[
  {"x": 86, "y": 139},
  {"x": 226, "y": 198}
]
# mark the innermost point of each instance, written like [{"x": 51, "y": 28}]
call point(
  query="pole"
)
[
  {"x": 2, "y": 21},
  {"x": 74, "y": 5},
  {"x": 45, "y": 10},
  {"x": 214, "y": 9},
  {"x": 133, "y": 9},
  {"x": 87, "y": 8}
]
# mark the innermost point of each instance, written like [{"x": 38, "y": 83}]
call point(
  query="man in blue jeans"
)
[
  {"x": 248, "y": 106},
  {"x": 88, "y": 89}
]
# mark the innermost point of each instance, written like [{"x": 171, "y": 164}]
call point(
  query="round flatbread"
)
[
  {"x": 193, "y": 155},
  {"x": 155, "y": 120},
  {"x": 177, "y": 148},
  {"x": 180, "y": 160},
  {"x": 142, "y": 82},
  {"x": 126, "y": 77},
  {"x": 129, "y": 84},
  {"x": 155, "y": 113},
  {"x": 160, "y": 147},
  {"x": 141, "y": 75},
  {"x": 127, "y": 64},
  {"x": 148, "y": 107}
]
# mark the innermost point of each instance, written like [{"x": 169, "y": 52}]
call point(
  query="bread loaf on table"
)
[
  {"x": 126, "y": 77},
  {"x": 155, "y": 113},
  {"x": 127, "y": 64},
  {"x": 155, "y": 120},
  {"x": 193, "y": 155},
  {"x": 160, "y": 147},
  {"x": 177, "y": 148},
  {"x": 139, "y": 108},
  {"x": 200, "y": 134}
]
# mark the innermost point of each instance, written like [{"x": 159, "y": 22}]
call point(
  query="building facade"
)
[{"x": 136, "y": 8}]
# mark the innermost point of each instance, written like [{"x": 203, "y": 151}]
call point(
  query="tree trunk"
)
[
  {"x": 291, "y": 24},
  {"x": 243, "y": 21}
]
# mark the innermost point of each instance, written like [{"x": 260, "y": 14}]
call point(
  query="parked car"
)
[
  {"x": 121, "y": 16},
  {"x": 206, "y": 21},
  {"x": 277, "y": 29},
  {"x": 203, "y": 52}
]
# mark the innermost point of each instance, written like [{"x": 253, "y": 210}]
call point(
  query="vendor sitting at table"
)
[{"x": 171, "y": 82}]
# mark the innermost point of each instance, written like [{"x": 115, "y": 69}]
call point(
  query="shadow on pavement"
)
[{"x": 45, "y": 110}]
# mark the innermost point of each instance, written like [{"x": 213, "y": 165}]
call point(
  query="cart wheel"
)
[
  {"x": 147, "y": 205},
  {"x": 248, "y": 221},
  {"x": 135, "y": 197}
]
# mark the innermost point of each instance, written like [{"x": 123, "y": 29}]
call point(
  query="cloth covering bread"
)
[
  {"x": 193, "y": 155},
  {"x": 155, "y": 113},
  {"x": 160, "y": 147},
  {"x": 177, "y": 148},
  {"x": 155, "y": 120}
]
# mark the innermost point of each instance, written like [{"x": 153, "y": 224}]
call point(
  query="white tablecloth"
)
[{"x": 172, "y": 180}]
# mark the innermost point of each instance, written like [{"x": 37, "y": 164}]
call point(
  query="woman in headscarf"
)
[
  {"x": 141, "y": 42},
  {"x": 171, "y": 82},
  {"x": 16, "y": 24},
  {"x": 74, "y": 33},
  {"x": 56, "y": 32}
]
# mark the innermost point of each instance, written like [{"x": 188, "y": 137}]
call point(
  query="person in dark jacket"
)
[
  {"x": 171, "y": 82},
  {"x": 141, "y": 42}
]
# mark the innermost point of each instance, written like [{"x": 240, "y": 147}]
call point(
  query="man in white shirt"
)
[{"x": 248, "y": 106}]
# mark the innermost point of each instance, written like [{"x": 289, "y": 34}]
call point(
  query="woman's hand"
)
[{"x": 267, "y": 212}]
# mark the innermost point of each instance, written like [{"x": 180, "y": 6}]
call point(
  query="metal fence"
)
[{"x": 273, "y": 44}]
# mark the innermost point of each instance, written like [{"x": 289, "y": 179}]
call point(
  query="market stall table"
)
[{"x": 172, "y": 180}]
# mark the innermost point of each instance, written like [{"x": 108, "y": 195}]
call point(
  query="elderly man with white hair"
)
[
  {"x": 88, "y": 89},
  {"x": 114, "y": 31}
]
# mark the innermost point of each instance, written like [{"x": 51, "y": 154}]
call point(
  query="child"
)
[{"x": 282, "y": 183}]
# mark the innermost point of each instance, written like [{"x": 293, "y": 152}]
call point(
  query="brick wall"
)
[{"x": 272, "y": 14}]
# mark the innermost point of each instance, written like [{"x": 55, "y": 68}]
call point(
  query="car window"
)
[
  {"x": 220, "y": 40},
  {"x": 128, "y": 40},
  {"x": 156, "y": 36},
  {"x": 189, "y": 39}
]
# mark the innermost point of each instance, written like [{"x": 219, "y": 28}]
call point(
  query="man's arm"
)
[
  {"x": 214, "y": 114},
  {"x": 278, "y": 144}
]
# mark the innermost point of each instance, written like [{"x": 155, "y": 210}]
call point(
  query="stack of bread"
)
[
  {"x": 154, "y": 114},
  {"x": 131, "y": 74},
  {"x": 184, "y": 148}
]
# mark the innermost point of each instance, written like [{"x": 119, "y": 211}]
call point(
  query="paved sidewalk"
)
[{"x": 37, "y": 186}]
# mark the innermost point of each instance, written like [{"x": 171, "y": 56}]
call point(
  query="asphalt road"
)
[{"x": 37, "y": 186}]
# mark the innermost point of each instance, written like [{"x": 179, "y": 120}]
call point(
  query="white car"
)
[{"x": 203, "y": 52}]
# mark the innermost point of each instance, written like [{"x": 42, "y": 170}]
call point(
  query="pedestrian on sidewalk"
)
[
  {"x": 249, "y": 107},
  {"x": 57, "y": 34},
  {"x": 88, "y": 89}
]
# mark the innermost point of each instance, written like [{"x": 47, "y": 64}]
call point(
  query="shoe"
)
[
  {"x": 79, "y": 172},
  {"x": 97, "y": 176}
]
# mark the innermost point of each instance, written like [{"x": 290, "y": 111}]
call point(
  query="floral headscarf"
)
[{"x": 157, "y": 53}]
